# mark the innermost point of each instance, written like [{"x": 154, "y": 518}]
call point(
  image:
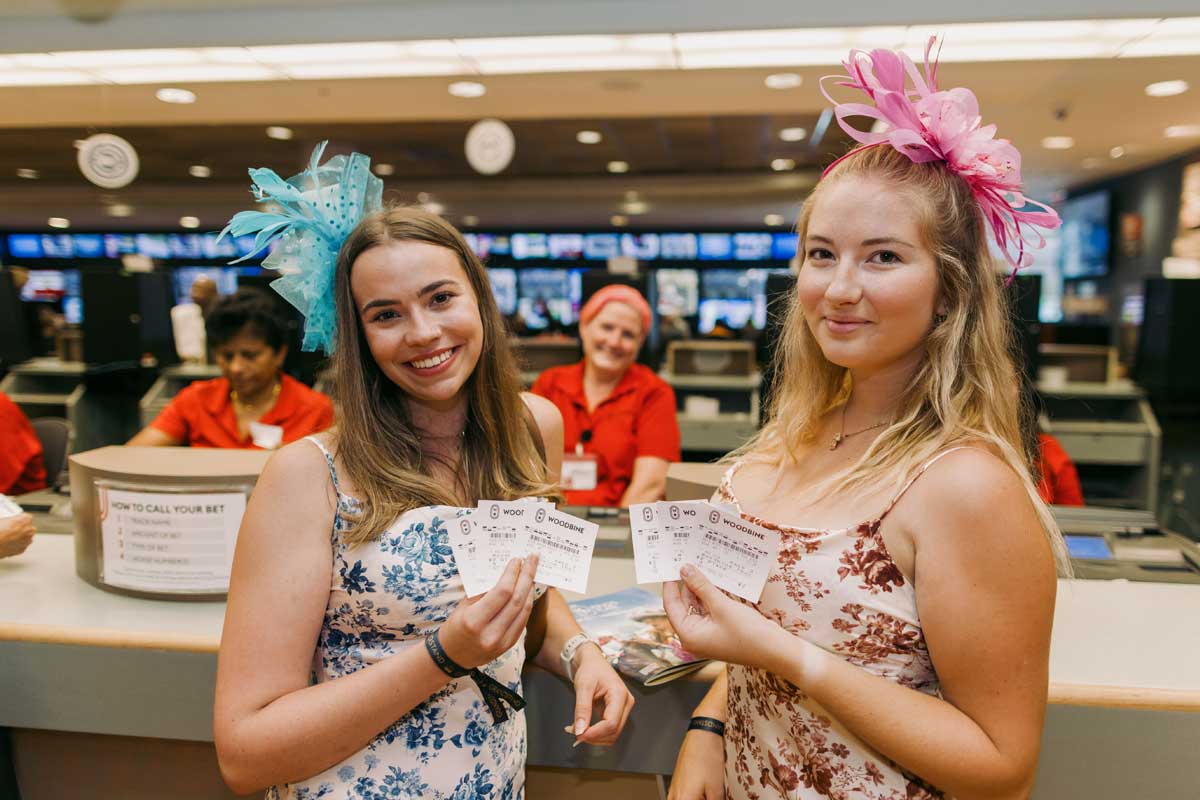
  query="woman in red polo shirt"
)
[
  {"x": 21, "y": 467},
  {"x": 620, "y": 431},
  {"x": 253, "y": 404}
]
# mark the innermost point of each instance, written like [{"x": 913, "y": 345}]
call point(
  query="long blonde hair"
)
[
  {"x": 379, "y": 448},
  {"x": 967, "y": 387}
]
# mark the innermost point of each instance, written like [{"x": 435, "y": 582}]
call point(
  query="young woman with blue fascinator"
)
[
  {"x": 352, "y": 664},
  {"x": 900, "y": 649}
]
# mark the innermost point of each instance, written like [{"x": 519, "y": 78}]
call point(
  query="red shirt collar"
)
[
  {"x": 573, "y": 384},
  {"x": 218, "y": 400}
]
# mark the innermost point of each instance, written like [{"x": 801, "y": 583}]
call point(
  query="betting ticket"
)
[
  {"x": 734, "y": 554},
  {"x": 661, "y": 532},
  {"x": 497, "y": 531}
]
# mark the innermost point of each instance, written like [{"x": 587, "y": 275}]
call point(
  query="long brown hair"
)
[
  {"x": 967, "y": 387},
  {"x": 379, "y": 448}
]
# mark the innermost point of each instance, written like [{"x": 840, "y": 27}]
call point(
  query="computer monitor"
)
[
  {"x": 504, "y": 289},
  {"x": 735, "y": 313},
  {"x": 1086, "y": 235},
  {"x": 548, "y": 298},
  {"x": 227, "y": 279},
  {"x": 678, "y": 292}
]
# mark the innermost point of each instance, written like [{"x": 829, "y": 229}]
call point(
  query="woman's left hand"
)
[
  {"x": 711, "y": 624},
  {"x": 599, "y": 687}
]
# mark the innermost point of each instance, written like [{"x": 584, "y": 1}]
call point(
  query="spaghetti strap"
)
[
  {"x": 919, "y": 473},
  {"x": 328, "y": 462}
]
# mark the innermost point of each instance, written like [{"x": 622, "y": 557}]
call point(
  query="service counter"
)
[{"x": 1124, "y": 718}]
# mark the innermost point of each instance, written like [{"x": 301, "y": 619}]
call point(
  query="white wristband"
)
[{"x": 567, "y": 656}]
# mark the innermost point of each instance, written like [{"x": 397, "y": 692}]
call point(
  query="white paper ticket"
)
[
  {"x": 564, "y": 545},
  {"x": 652, "y": 559},
  {"x": 734, "y": 554},
  {"x": 678, "y": 522},
  {"x": 465, "y": 543},
  {"x": 502, "y": 527}
]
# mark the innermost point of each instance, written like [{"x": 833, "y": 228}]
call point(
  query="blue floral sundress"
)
[{"x": 384, "y": 597}]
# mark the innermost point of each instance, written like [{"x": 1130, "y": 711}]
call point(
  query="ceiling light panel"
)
[
  {"x": 584, "y": 62},
  {"x": 323, "y": 53},
  {"x": 23, "y": 77},
  {"x": 371, "y": 69},
  {"x": 193, "y": 73},
  {"x": 526, "y": 46}
]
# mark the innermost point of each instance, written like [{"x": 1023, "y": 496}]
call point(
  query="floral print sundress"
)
[
  {"x": 840, "y": 590},
  {"x": 385, "y": 595}
]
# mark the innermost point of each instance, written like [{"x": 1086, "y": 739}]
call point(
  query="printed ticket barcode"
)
[
  {"x": 566, "y": 547},
  {"x": 728, "y": 545}
]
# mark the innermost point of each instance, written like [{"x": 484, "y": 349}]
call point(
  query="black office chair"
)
[{"x": 55, "y": 435}]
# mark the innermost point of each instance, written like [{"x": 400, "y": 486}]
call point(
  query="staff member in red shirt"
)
[
  {"x": 619, "y": 427},
  {"x": 21, "y": 467},
  {"x": 1059, "y": 485},
  {"x": 253, "y": 404}
]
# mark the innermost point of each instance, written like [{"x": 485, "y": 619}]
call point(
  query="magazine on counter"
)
[{"x": 632, "y": 629}]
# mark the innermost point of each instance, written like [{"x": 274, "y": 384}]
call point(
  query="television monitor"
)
[
  {"x": 1084, "y": 252},
  {"x": 504, "y": 287},
  {"x": 725, "y": 284},
  {"x": 752, "y": 246},
  {"x": 226, "y": 279},
  {"x": 642, "y": 246},
  {"x": 601, "y": 246},
  {"x": 678, "y": 291},
  {"x": 152, "y": 245},
  {"x": 566, "y": 246},
  {"x": 87, "y": 245},
  {"x": 44, "y": 286},
  {"x": 119, "y": 244},
  {"x": 57, "y": 245},
  {"x": 530, "y": 245},
  {"x": 736, "y": 313},
  {"x": 24, "y": 245},
  {"x": 784, "y": 245},
  {"x": 548, "y": 298},
  {"x": 716, "y": 247},
  {"x": 678, "y": 247}
]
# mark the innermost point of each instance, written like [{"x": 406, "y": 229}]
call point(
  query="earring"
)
[{"x": 938, "y": 319}]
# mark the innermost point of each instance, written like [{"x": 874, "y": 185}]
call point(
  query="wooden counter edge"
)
[
  {"x": 106, "y": 637},
  {"x": 1070, "y": 694},
  {"x": 1065, "y": 694}
]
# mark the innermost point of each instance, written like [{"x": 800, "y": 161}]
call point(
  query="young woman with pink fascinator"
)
[{"x": 901, "y": 646}]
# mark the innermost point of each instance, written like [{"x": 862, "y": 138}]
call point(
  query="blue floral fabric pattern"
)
[{"x": 384, "y": 597}]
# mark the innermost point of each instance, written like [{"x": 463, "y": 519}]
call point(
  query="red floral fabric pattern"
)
[{"x": 840, "y": 590}]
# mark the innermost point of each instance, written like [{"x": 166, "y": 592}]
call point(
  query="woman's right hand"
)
[
  {"x": 699, "y": 768},
  {"x": 16, "y": 534},
  {"x": 482, "y": 629}
]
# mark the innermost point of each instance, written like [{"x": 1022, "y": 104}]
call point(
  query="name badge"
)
[
  {"x": 579, "y": 472},
  {"x": 268, "y": 437}
]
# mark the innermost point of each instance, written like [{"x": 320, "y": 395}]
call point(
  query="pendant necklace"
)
[{"x": 843, "y": 436}]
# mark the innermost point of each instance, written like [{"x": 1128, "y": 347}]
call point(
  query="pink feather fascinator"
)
[{"x": 929, "y": 124}]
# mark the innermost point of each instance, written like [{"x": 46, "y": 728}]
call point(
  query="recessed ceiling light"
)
[
  {"x": 1182, "y": 131},
  {"x": 58, "y": 222},
  {"x": 467, "y": 89},
  {"x": 119, "y": 210},
  {"x": 434, "y": 208},
  {"x": 1116, "y": 152},
  {"x": 279, "y": 132},
  {"x": 589, "y": 137},
  {"x": 783, "y": 80},
  {"x": 631, "y": 195},
  {"x": 28, "y": 174},
  {"x": 635, "y": 207},
  {"x": 1166, "y": 88},
  {"x": 189, "y": 222},
  {"x": 773, "y": 219},
  {"x": 385, "y": 169},
  {"x": 1058, "y": 142},
  {"x": 199, "y": 171},
  {"x": 618, "y": 166},
  {"x": 793, "y": 134},
  {"x": 424, "y": 197},
  {"x": 470, "y": 220},
  {"x": 783, "y": 164},
  {"x": 618, "y": 220},
  {"x": 181, "y": 97}
]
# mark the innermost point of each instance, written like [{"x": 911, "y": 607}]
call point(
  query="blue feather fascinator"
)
[{"x": 313, "y": 214}]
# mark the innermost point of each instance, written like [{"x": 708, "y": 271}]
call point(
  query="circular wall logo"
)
[
  {"x": 108, "y": 161},
  {"x": 490, "y": 146}
]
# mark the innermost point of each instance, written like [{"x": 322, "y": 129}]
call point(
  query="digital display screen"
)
[
  {"x": 119, "y": 244},
  {"x": 1087, "y": 546},
  {"x": 716, "y": 247},
  {"x": 184, "y": 245},
  {"x": 57, "y": 245},
  {"x": 44, "y": 286},
  {"x": 153, "y": 245},
  {"x": 601, "y": 246},
  {"x": 783, "y": 245},
  {"x": 734, "y": 314},
  {"x": 88, "y": 245},
  {"x": 678, "y": 246},
  {"x": 548, "y": 297},
  {"x": 752, "y": 246},
  {"x": 642, "y": 246},
  {"x": 530, "y": 245},
  {"x": 678, "y": 291},
  {"x": 24, "y": 245},
  {"x": 504, "y": 288},
  {"x": 1085, "y": 236},
  {"x": 566, "y": 246},
  {"x": 226, "y": 279}
]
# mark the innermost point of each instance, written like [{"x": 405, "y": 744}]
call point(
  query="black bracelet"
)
[
  {"x": 495, "y": 693},
  {"x": 707, "y": 724}
]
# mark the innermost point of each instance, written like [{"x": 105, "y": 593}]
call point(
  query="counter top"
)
[{"x": 1116, "y": 644}]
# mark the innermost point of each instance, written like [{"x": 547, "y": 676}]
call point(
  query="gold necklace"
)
[
  {"x": 237, "y": 402},
  {"x": 843, "y": 436}
]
